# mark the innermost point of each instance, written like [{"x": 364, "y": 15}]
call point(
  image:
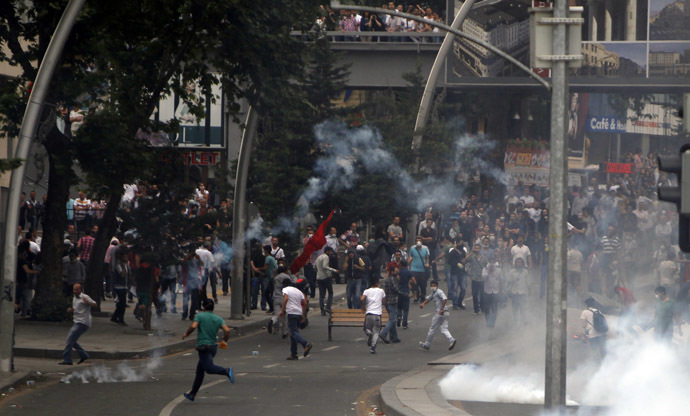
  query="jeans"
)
[
  {"x": 258, "y": 282},
  {"x": 392, "y": 309},
  {"x": 225, "y": 277},
  {"x": 462, "y": 284},
  {"x": 403, "y": 307},
  {"x": 372, "y": 326},
  {"x": 325, "y": 285},
  {"x": 188, "y": 293},
  {"x": 295, "y": 336},
  {"x": 421, "y": 278},
  {"x": 364, "y": 285},
  {"x": 490, "y": 303},
  {"x": 119, "y": 314},
  {"x": 352, "y": 293},
  {"x": 77, "y": 330},
  {"x": 518, "y": 303},
  {"x": 209, "y": 275},
  {"x": 279, "y": 324},
  {"x": 205, "y": 365},
  {"x": 168, "y": 291},
  {"x": 310, "y": 274},
  {"x": 438, "y": 321},
  {"x": 452, "y": 285},
  {"x": 477, "y": 294}
]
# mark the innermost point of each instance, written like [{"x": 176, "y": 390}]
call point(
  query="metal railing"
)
[{"x": 374, "y": 37}]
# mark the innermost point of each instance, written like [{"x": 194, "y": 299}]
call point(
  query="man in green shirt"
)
[
  {"x": 208, "y": 324},
  {"x": 664, "y": 315}
]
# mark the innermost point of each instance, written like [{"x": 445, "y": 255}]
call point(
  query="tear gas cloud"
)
[
  {"x": 638, "y": 376},
  {"x": 123, "y": 373},
  {"x": 353, "y": 152}
]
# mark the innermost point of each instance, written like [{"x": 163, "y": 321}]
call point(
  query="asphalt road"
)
[{"x": 328, "y": 382}]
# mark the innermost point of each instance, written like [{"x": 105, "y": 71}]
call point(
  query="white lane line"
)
[
  {"x": 167, "y": 410},
  {"x": 359, "y": 339},
  {"x": 331, "y": 348},
  {"x": 271, "y": 365},
  {"x": 424, "y": 316}
]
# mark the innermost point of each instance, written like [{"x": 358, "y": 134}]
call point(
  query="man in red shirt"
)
[{"x": 85, "y": 246}]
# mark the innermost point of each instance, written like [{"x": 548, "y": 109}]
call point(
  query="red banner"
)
[{"x": 612, "y": 167}]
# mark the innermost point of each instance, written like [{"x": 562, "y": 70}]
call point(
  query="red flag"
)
[{"x": 315, "y": 243}]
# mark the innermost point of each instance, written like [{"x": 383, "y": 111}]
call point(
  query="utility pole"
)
[
  {"x": 27, "y": 132},
  {"x": 556, "y": 296}
]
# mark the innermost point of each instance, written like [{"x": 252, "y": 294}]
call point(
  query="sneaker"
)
[
  {"x": 189, "y": 397},
  {"x": 269, "y": 327},
  {"x": 372, "y": 350},
  {"x": 423, "y": 345},
  {"x": 405, "y": 326},
  {"x": 284, "y": 336},
  {"x": 64, "y": 363},
  {"x": 452, "y": 345},
  {"x": 395, "y": 341},
  {"x": 292, "y": 358},
  {"x": 385, "y": 340},
  {"x": 231, "y": 375},
  {"x": 81, "y": 360},
  {"x": 307, "y": 348}
]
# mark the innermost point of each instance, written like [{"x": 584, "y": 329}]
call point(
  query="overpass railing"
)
[{"x": 404, "y": 38}]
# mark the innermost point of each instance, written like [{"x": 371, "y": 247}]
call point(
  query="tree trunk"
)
[
  {"x": 49, "y": 303},
  {"x": 106, "y": 230}
]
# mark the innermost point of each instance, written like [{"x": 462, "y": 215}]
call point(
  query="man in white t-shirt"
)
[
  {"x": 295, "y": 306},
  {"x": 520, "y": 250},
  {"x": 81, "y": 308},
  {"x": 372, "y": 303}
]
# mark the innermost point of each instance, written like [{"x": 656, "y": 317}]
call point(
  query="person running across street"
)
[
  {"x": 81, "y": 308},
  {"x": 440, "y": 318},
  {"x": 208, "y": 324},
  {"x": 295, "y": 306},
  {"x": 391, "y": 287},
  {"x": 372, "y": 304}
]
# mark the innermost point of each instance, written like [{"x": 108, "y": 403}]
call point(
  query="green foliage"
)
[
  {"x": 9, "y": 164},
  {"x": 285, "y": 152}
]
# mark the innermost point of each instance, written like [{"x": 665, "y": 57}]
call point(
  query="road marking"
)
[
  {"x": 359, "y": 339},
  {"x": 424, "y": 316},
  {"x": 167, "y": 410},
  {"x": 331, "y": 348},
  {"x": 271, "y": 365}
]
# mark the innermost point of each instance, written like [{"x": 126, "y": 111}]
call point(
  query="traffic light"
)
[{"x": 679, "y": 195}]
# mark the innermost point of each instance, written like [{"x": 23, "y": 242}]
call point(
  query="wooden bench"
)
[{"x": 353, "y": 318}]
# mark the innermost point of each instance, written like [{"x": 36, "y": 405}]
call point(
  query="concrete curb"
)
[{"x": 171, "y": 348}]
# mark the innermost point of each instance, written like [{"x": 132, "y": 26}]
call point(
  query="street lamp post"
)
[{"x": 27, "y": 132}]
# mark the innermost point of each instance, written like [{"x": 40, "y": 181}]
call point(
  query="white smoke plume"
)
[
  {"x": 638, "y": 376},
  {"x": 353, "y": 152},
  {"x": 123, "y": 373}
]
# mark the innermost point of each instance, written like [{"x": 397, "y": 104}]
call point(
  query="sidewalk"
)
[{"x": 40, "y": 344}]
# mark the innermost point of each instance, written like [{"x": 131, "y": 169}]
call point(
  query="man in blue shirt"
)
[
  {"x": 208, "y": 324},
  {"x": 419, "y": 263}
]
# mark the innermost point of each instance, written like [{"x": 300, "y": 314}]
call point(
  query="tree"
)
[
  {"x": 120, "y": 70},
  {"x": 286, "y": 150}
]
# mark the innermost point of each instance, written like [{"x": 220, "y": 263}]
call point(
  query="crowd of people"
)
[
  {"x": 353, "y": 21},
  {"x": 490, "y": 246}
]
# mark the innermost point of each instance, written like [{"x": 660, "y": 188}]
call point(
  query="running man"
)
[
  {"x": 295, "y": 306},
  {"x": 372, "y": 303},
  {"x": 81, "y": 308},
  {"x": 208, "y": 324},
  {"x": 440, "y": 318}
]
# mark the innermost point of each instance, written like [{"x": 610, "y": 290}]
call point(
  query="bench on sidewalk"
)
[{"x": 353, "y": 318}]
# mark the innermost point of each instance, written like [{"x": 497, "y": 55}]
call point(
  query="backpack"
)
[{"x": 599, "y": 323}]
